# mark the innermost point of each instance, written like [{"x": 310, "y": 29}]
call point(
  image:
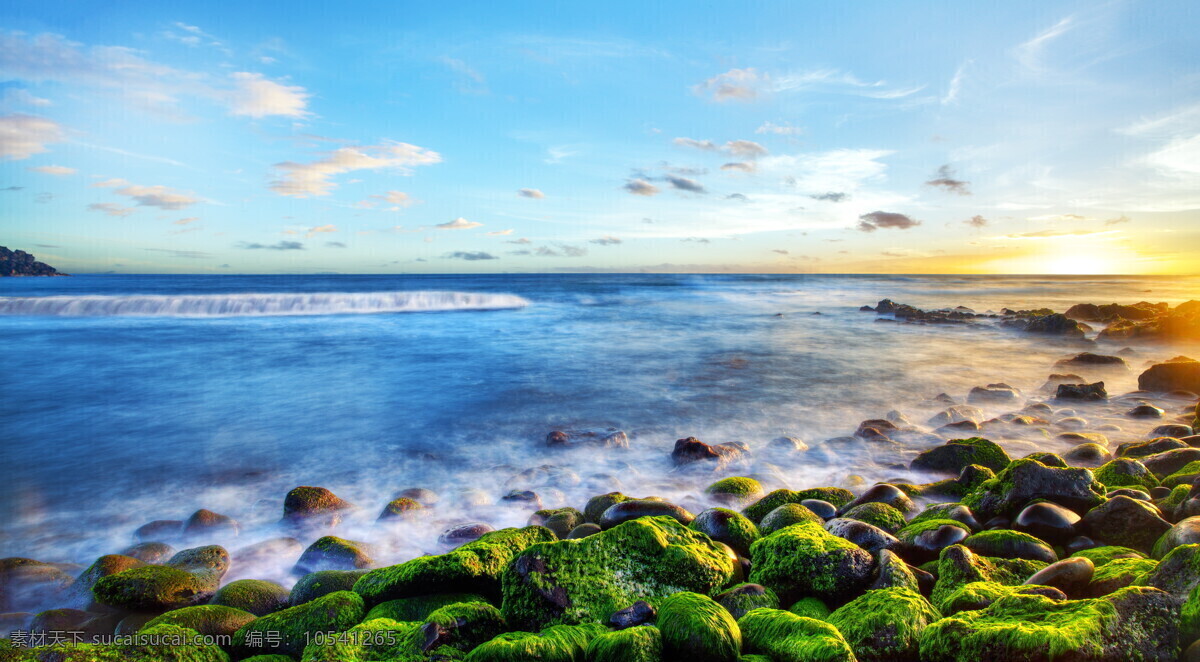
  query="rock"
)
[
  {"x": 883, "y": 493},
  {"x": 885, "y": 625},
  {"x": 878, "y": 514},
  {"x": 332, "y": 553},
  {"x": 923, "y": 541},
  {"x": 786, "y": 446},
  {"x": 210, "y": 561},
  {"x": 321, "y": 583},
  {"x": 735, "y": 491},
  {"x": 256, "y": 596},
  {"x": 313, "y": 507},
  {"x": 1126, "y": 522},
  {"x": 892, "y": 572},
  {"x": 562, "y": 642},
  {"x": 1184, "y": 532},
  {"x": 473, "y": 567},
  {"x": 594, "y": 510},
  {"x": 695, "y": 627},
  {"x": 638, "y": 613},
  {"x": 979, "y": 595},
  {"x": 400, "y": 509},
  {"x": 159, "y": 530},
  {"x": 1088, "y": 360},
  {"x": 291, "y": 629},
  {"x": 559, "y": 520},
  {"x": 1126, "y": 472},
  {"x": 419, "y": 608},
  {"x": 462, "y": 534},
  {"x": 149, "y": 552},
  {"x": 1103, "y": 555},
  {"x": 1140, "y": 449},
  {"x": 1071, "y": 576},
  {"x": 578, "y": 582},
  {"x": 958, "y": 566},
  {"x": 1168, "y": 462},
  {"x": 786, "y": 637},
  {"x": 425, "y": 497},
  {"x": 730, "y": 527},
  {"x": 957, "y": 414},
  {"x": 690, "y": 450},
  {"x": 79, "y": 594},
  {"x": 598, "y": 437},
  {"x": 1026, "y": 480},
  {"x": 1084, "y": 392},
  {"x": 744, "y": 597},
  {"x": 759, "y": 509},
  {"x": 20, "y": 263},
  {"x": 1145, "y": 411},
  {"x": 785, "y": 516},
  {"x": 1171, "y": 376},
  {"x": 522, "y": 498},
  {"x": 1055, "y": 324},
  {"x": 207, "y": 524},
  {"x": 58, "y": 620},
  {"x": 992, "y": 394},
  {"x": 211, "y": 620},
  {"x": 636, "y": 508},
  {"x": 153, "y": 589},
  {"x": 1048, "y": 459},
  {"x": 464, "y": 626},
  {"x": 629, "y": 645},
  {"x": 1088, "y": 455},
  {"x": 1047, "y": 521},
  {"x": 804, "y": 560},
  {"x": 584, "y": 530},
  {"x": 957, "y": 454},
  {"x": 1176, "y": 572},
  {"x": 1117, "y": 574},
  {"x": 871, "y": 538},
  {"x": 1010, "y": 545},
  {"x": 822, "y": 509}
]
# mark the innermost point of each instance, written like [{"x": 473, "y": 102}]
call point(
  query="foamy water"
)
[{"x": 171, "y": 394}]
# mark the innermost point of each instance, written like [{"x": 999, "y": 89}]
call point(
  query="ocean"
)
[{"x": 131, "y": 398}]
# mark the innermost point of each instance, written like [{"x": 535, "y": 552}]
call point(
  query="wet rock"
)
[
  {"x": 1174, "y": 430},
  {"x": 892, "y": 572},
  {"x": 522, "y": 499},
  {"x": 957, "y": 454},
  {"x": 257, "y": 596},
  {"x": 1168, "y": 462},
  {"x": 695, "y": 627},
  {"x": 425, "y": 497},
  {"x": 1126, "y": 522},
  {"x": 785, "y": 516},
  {"x": 923, "y": 541},
  {"x": 1010, "y": 545},
  {"x": 159, "y": 530},
  {"x": 871, "y": 538},
  {"x": 400, "y": 509},
  {"x": 1088, "y": 455},
  {"x": 313, "y": 507},
  {"x": 735, "y": 490},
  {"x": 877, "y": 514},
  {"x": 786, "y": 446},
  {"x": 950, "y": 511},
  {"x": 958, "y": 566},
  {"x": 691, "y": 450},
  {"x": 775, "y": 634},
  {"x": 759, "y": 509},
  {"x": 1088, "y": 360},
  {"x": 584, "y": 530},
  {"x": 1026, "y": 480},
  {"x": 321, "y": 583},
  {"x": 1171, "y": 376},
  {"x": 885, "y": 625},
  {"x": 464, "y": 533},
  {"x": 637, "y": 508},
  {"x": 595, "y": 437},
  {"x": 1117, "y": 574},
  {"x": 209, "y": 620},
  {"x": 1071, "y": 576},
  {"x": 1053, "y": 324},
  {"x": 740, "y": 599},
  {"x": 59, "y": 620},
  {"x": 153, "y": 589},
  {"x": 883, "y": 493},
  {"x": 957, "y": 414},
  {"x": 1140, "y": 449},
  {"x": 207, "y": 524},
  {"x": 210, "y": 560},
  {"x": 79, "y": 594},
  {"x": 1184, "y": 532},
  {"x": 1125, "y": 472},
  {"x": 333, "y": 553},
  {"x": 993, "y": 394},
  {"x": 822, "y": 509},
  {"x": 1047, "y": 521},
  {"x": 287, "y": 632},
  {"x": 1145, "y": 411},
  {"x": 595, "y": 507},
  {"x": 804, "y": 560},
  {"x": 149, "y": 552},
  {"x": 1085, "y": 392},
  {"x": 638, "y": 613},
  {"x": 729, "y": 527},
  {"x": 1176, "y": 572},
  {"x": 560, "y": 520}
]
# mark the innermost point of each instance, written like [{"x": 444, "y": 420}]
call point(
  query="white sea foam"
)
[{"x": 257, "y": 305}]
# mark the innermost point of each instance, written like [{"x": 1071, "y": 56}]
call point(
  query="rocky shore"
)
[
  {"x": 20, "y": 263},
  {"x": 1015, "y": 529}
]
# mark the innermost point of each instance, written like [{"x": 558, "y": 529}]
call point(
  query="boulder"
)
[
  {"x": 804, "y": 560},
  {"x": 1026, "y": 480},
  {"x": 957, "y": 454},
  {"x": 1176, "y": 375},
  {"x": 785, "y": 637}
]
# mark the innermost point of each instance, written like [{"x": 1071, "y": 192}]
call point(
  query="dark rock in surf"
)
[{"x": 1085, "y": 392}]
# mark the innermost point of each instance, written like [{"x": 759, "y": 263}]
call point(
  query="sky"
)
[{"x": 480, "y": 137}]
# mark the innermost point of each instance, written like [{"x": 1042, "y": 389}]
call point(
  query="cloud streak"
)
[{"x": 302, "y": 180}]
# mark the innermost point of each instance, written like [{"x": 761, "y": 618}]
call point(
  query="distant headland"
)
[{"x": 20, "y": 263}]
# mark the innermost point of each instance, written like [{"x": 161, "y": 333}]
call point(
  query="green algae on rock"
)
[
  {"x": 785, "y": 516},
  {"x": 1099, "y": 556},
  {"x": 729, "y": 527},
  {"x": 735, "y": 490},
  {"x": 1133, "y": 624},
  {"x": 804, "y": 560},
  {"x": 810, "y": 608},
  {"x": 759, "y": 509},
  {"x": 637, "y": 644},
  {"x": 1026, "y": 480},
  {"x": 475, "y": 566},
  {"x": 882, "y": 515},
  {"x": 205, "y": 619},
  {"x": 257, "y": 596},
  {"x": 321, "y": 583},
  {"x": 153, "y": 588},
  {"x": 695, "y": 627},
  {"x": 786, "y": 637},
  {"x": 370, "y": 641},
  {"x": 420, "y": 607},
  {"x": 559, "y": 520},
  {"x": 557, "y": 643},
  {"x": 1008, "y": 544},
  {"x": 1125, "y": 472},
  {"x": 586, "y": 580},
  {"x": 959, "y": 566},
  {"x": 884, "y": 625},
  {"x": 745, "y": 597},
  {"x": 1118, "y": 574},
  {"x": 956, "y": 454},
  {"x": 288, "y": 631}
]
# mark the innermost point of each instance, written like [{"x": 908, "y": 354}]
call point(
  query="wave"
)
[{"x": 257, "y": 305}]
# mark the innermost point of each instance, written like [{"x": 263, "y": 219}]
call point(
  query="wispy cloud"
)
[
  {"x": 111, "y": 208},
  {"x": 685, "y": 184},
  {"x": 458, "y": 224},
  {"x": 641, "y": 187},
  {"x": 470, "y": 256},
  {"x": 976, "y": 221},
  {"x": 314, "y": 179},
  {"x": 56, "y": 170},
  {"x": 955, "y": 88},
  {"x": 945, "y": 180},
  {"x": 253, "y": 95},
  {"x": 1030, "y": 53},
  {"x": 159, "y": 196},
  {"x": 280, "y": 246},
  {"x": 531, "y": 193},
  {"x": 320, "y": 229},
  {"x": 22, "y": 136},
  {"x": 605, "y": 241},
  {"x": 884, "y": 219},
  {"x": 183, "y": 254}
]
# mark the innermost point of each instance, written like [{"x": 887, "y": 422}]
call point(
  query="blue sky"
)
[{"x": 297, "y": 137}]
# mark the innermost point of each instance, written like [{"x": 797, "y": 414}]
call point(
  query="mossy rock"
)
[
  {"x": 744, "y": 597},
  {"x": 785, "y": 516},
  {"x": 1133, "y": 624},
  {"x": 586, "y": 580},
  {"x": 153, "y": 588},
  {"x": 1009, "y": 544},
  {"x": 473, "y": 567},
  {"x": 727, "y": 526},
  {"x": 759, "y": 509},
  {"x": 400, "y": 509},
  {"x": 804, "y": 560},
  {"x": 786, "y": 637},
  {"x": 1184, "y": 476},
  {"x": 935, "y": 511},
  {"x": 79, "y": 594},
  {"x": 1118, "y": 574},
  {"x": 979, "y": 595},
  {"x": 957, "y": 454},
  {"x": 909, "y": 533},
  {"x": 735, "y": 490},
  {"x": 211, "y": 561},
  {"x": 959, "y": 566},
  {"x": 370, "y": 641},
  {"x": 1026, "y": 480},
  {"x": 559, "y": 520},
  {"x": 1172, "y": 501},
  {"x": 596, "y": 506},
  {"x": 419, "y": 608},
  {"x": 882, "y": 515},
  {"x": 206, "y": 619},
  {"x": 257, "y": 596},
  {"x": 969, "y": 480},
  {"x": 1178, "y": 573},
  {"x": 1099, "y": 556},
  {"x": 182, "y": 645},
  {"x": 557, "y": 643},
  {"x": 289, "y": 630},
  {"x": 463, "y": 625},
  {"x": 885, "y": 625},
  {"x": 892, "y": 572},
  {"x": 696, "y": 627},
  {"x": 321, "y": 583},
  {"x": 1048, "y": 459},
  {"x": 1189, "y": 619},
  {"x": 810, "y": 608},
  {"x": 1124, "y": 472},
  {"x": 636, "y": 644},
  {"x": 333, "y": 553}
]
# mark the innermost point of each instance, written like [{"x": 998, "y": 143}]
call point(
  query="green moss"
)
[
  {"x": 400, "y": 509},
  {"x": 370, "y": 641},
  {"x": 257, "y": 596},
  {"x": 1048, "y": 459},
  {"x": 1025, "y": 480},
  {"x": 1008, "y": 544},
  {"x": 1100, "y": 556},
  {"x": 269, "y": 658},
  {"x": 744, "y": 597},
  {"x": 759, "y": 509},
  {"x": 586, "y": 580},
  {"x": 804, "y": 560},
  {"x": 419, "y": 608},
  {"x": 754, "y": 658},
  {"x": 1178, "y": 495},
  {"x": 1124, "y": 472},
  {"x": 295, "y": 627},
  {"x": 916, "y": 528},
  {"x": 636, "y": 644},
  {"x": 473, "y": 567},
  {"x": 729, "y": 527},
  {"x": 558, "y": 643},
  {"x": 695, "y": 627},
  {"x": 558, "y": 520},
  {"x": 1184, "y": 476},
  {"x": 323, "y": 582},
  {"x": 152, "y": 588},
  {"x": 882, "y": 515},
  {"x": 205, "y": 619},
  {"x": 1189, "y": 619},
  {"x": 736, "y": 489},
  {"x": 785, "y": 516},
  {"x": 884, "y": 625},
  {"x": 958, "y": 566},
  {"x": 465, "y": 625},
  {"x": 598, "y": 504},
  {"x": 957, "y": 454},
  {"x": 934, "y": 511},
  {"x": 810, "y": 608},
  {"x": 1118, "y": 574},
  {"x": 975, "y": 595},
  {"x": 786, "y": 637}
]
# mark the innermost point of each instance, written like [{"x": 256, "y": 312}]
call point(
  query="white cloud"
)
[
  {"x": 398, "y": 198},
  {"x": 779, "y": 129},
  {"x": 459, "y": 223},
  {"x": 57, "y": 170},
  {"x": 706, "y": 145},
  {"x": 320, "y": 229},
  {"x": 956, "y": 82},
  {"x": 255, "y": 96},
  {"x": 110, "y": 183},
  {"x": 1030, "y": 53},
  {"x": 745, "y": 149},
  {"x": 305, "y": 179},
  {"x": 159, "y": 196},
  {"x": 531, "y": 193},
  {"x": 185, "y": 221},
  {"x": 734, "y": 85},
  {"x": 840, "y": 170},
  {"x": 641, "y": 187},
  {"x": 22, "y": 136},
  {"x": 500, "y": 233},
  {"x": 1180, "y": 158},
  {"x": 111, "y": 208}
]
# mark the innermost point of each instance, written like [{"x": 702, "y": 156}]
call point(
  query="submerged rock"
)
[
  {"x": 1085, "y": 392},
  {"x": 596, "y": 437}
]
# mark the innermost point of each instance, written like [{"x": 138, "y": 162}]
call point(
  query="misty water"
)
[{"x": 127, "y": 399}]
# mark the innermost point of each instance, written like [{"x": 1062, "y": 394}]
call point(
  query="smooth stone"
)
[
  {"x": 1126, "y": 522},
  {"x": 927, "y": 545},
  {"x": 883, "y": 493},
  {"x": 1131, "y": 493},
  {"x": 822, "y": 509},
  {"x": 583, "y": 531},
  {"x": 1184, "y": 532},
  {"x": 464, "y": 533},
  {"x": 1047, "y": 521},
  {"x": 1145, "y": 411},
  {"x": 869, "y": 537},
  {"x": 1071, "y": 576},
  {"x": 636, "y": 614},
  {"x": 628, "y": 510},
  {"x": 1078, "y": 544},
  {"x": 999, "y": 522}
]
